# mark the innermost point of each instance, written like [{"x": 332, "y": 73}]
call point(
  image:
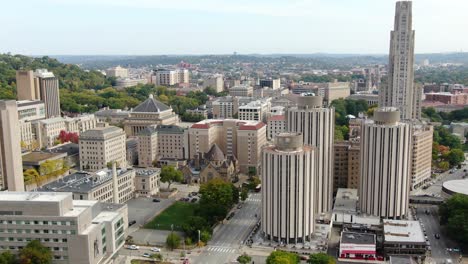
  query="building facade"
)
[
  {"x": 258, "y": 110},
  {"x": 49, "y": 90},
  {"x": 275, "y": 125},
  {"x": 216, "y": 82},
  {"x": 421, "y": 162},
  {"x": 78, "y": 232},
  {"x": 11, "y": 168},
  {"x": 271, "y": 83},
  {"x": 385, "y": 165},
  {"x": 26, "y": 87},
  {"x": 288, "y": 169},
  {"x": 241, "y": 90},
  {"x": 399, "y": 91},
  {"x": 117, "y": 72},
  {"x": 170, "y": 77},
  {"x": 317, "y": 126},
  {"x": 102, "y": 145}
]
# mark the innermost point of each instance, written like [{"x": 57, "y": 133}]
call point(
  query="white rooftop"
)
[
  {"x": 456, "y": 186},
  {"x": 34, "y": 196},
  {"x": 346, "y": 200},
  {"x": 403, "y": 231}
]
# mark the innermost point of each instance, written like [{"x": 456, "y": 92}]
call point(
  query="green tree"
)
[
  {"x": 217, "y": 198},
  {"x": 173, "y": 241},
  {"x": 244, "y": 194},
  {"x": 282, "y": 257},
  {"x": 7, "y": 258},
  {"x": 456, "y": 157},
  {"x": 35, "y": 253},
  {"x": 244, "y": 259},
  {"x": 194, "y": 224},
  {"x": 205, "y": 236},
  {"x": 157, "y": 256},
  {"x": 321, "y": 258},
  {"x": 444, "y": 165},
  {"x": 453, "y": 213},
  {"x": 170, "y": 174}
]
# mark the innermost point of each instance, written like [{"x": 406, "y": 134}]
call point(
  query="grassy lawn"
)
[{"x": 176, "y": 214}]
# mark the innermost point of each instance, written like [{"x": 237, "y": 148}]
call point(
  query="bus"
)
[{"x": 258, "y": 188}]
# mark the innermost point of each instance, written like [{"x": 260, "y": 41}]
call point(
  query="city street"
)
[
  {"x": 225, "y": 245},
  {"x": 436, "y": 188}
]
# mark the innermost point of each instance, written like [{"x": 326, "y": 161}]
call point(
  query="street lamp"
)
[{"x": 198, "y": 237}]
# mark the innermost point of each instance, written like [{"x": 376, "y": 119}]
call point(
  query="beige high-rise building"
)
[
  {"x": 399, "y": 91},
  {"x": 288, "y": 179},
  {"x": 317, "y": 125},
  {"x": 78, "y": 232},
  {"x": 26, "y": 87},
  {"x": 11, "y": 167},
  {"x": 275, "y": 125},
  {"x": 49, "y": 91},
  {"x": 385, "y": 165},
  {"x": 216, "y": 82},
  {"x": 421, "y": 155},
  {"x": 237, "y": 138},
  {"x": 147, "y": 146},
  {"x": 102, "y": 145},
  {"x": 171, "y": 77}
]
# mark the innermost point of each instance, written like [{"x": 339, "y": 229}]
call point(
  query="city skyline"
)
[{"x": 91, "y": 27}]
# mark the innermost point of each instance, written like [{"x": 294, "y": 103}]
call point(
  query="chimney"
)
[{"x": 115, "y": 182}]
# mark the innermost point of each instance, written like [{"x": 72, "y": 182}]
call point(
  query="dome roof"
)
[{"x": 151, "y": 105}]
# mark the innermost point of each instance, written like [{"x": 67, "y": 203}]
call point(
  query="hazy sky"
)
[{"x": 139, "y": 27}]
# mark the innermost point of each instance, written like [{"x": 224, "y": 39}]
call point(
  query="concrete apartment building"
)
[
  {"x": 228, "y": 106},
  {"x": 170, "y": 77},
  {"x": 421, "y": 155},
  {"x": 288, "y": 179},
  {"x": 233, "y": 137},
  {"x": 160, "y": 142},
  {"x": 385, "y": 165},
  {"x": 275, "y": 125},
  {"x": 102, "y": 145},
  {"x": 271, "y": 83},
  {"x": 78, "y": 232},
  {"x": 149, "y": 112},
  {"x": 216, "y": 82},
  {"x": 29, "y": 111},
  {"x": 80, "y": 123},
  {"x": 400, "y": 91},
  {"x": 241, "y": 90},
  {"x": 11, "y": 168},
  {"x": 46, "y": 131},
  {"x": 258, "y": 110},
  {"x": 317, "y": 126},
  {"x": 117, "y": 72}
]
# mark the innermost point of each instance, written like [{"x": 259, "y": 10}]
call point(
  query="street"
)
[
  {"x": 224, "y": 247},
  {"x": 436, "y": 188}
]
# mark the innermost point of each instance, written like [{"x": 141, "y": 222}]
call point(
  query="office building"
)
[
  {"x": 117, "y": 72},
  {"x": 358, "y": 246},
  {"x": 46, "y": 131},
  {"x": 421, "y": 155},
  {"x": 271, "y": 83},
  {"x": 170, "y": 77},
  {"x": 49, "y": 91},
  {"x": 399, "y": 91},
  {"x": 131, "y": 146},
  {"x": 149, "y": 112},
  {"x": 346, "y": 164},
  {"x": 81, "y": 123},
  {"x": 236, "y": 138},
  {"x": 26, "y": 87},
  {"x": 147, "y": 182},
  {"x": 129, "y": 82},
  {"x": 101, "y": 146},
  {"x": 370, "y": 98},
  {"x": 241, "y": 90},
  {"x": 28, "y": 111},
  {"x": 228, "y": 106},
  {"x": 288, "y": 178},
  {"x": 317, "y": 126},
  {"x": 78, "y": 232},
  {"x": 275, "y": 125},
  {"x": 216, "y": 82},
  {"x": 258, "y": 110},
  {"x": 385, "y": 165},
  {"x": 11, "y": 168}
]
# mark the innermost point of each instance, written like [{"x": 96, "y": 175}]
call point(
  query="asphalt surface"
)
[
  {"x": 436, "y": 188},
  {"x": 225, "y": 245}
]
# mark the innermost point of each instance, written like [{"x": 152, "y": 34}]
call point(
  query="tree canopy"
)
[
  {"x": 35, "y": 253},
  {"x": 453, "y": 213},
  {"x": 170, "y": 174},
  {"x": 321, "y": 258},
  {"x": 282, "y": 257},
  {"x": 344, "y": 107}
]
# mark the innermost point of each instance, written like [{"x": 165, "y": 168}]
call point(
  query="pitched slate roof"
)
[
  {"x": 215, "y": 154},
  {"x": 151, "y": 105}
]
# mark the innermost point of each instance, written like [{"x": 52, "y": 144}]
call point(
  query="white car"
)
[
  {"x": 155, "y": 249},
  {"x": 146, "y": 255},
  {"x": 133, "y": 247}
]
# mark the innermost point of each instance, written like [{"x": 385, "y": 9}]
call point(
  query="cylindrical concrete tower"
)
[
  {"x": 317, "y": 125},
  {"x": 288, "y": 170},
  {"x": 385, "y": 165}
]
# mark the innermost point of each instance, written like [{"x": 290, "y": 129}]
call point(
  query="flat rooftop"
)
[
  {"x": 38, "y": 157},
  {"x": 456, "y": 186},
  {"x": 34, "y": 196},
  {"x": 346, "y": 200},
  {"x": 403, "y": 231},
  {"x": 357, "y": 238}
]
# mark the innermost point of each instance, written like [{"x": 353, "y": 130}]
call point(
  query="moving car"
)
[
  {"x": 155, "y": 249},
  {"x": 146, "y": 255},
  {"x": 133, "y": 247},
  {"x": 437, "y": 236},
  {"x": 156, "y": 200},
  {"x": 131, "y": 222}
]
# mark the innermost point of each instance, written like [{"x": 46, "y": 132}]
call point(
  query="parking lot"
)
[{"x": 143, "y": 209}]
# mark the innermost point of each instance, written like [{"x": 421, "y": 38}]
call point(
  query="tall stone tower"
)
[{"x": 400, "y": 91}]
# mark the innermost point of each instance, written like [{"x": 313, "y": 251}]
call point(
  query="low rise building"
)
[
  {"x": 216, "y": 82},
  {"x": 78, "y": 232},
  {"x": 241, "y": 90},
  {"x": 403, "y": 238},
  {"x": 80, "y": 123},
  {"x": 258, "y": 110},
  {"x": 147, "y": 182},
  {"x": 202, "y": 111},
  {"x": 46, "y": 131},
  {"x": 448, "y": 98},
  {"x": 271, "y": 83},
  {"x": 117, "y": 72},
  {"x": 358, "y": 246},
  {"x": 370, "y": 98},
  {"x": 129, "y": 82}
]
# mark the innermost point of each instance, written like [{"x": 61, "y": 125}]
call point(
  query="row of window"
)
[
  {"x": 37, "y": 222},
  {"x": 37, "y": 231}
]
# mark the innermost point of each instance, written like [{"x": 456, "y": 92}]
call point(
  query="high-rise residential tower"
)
[
  {"x": 400, "y": 91},
  {"x": 317, "y": 126},
  {"x": 11, "y": 167},
  {"x": 288, "y": 172},
  {"x": 385, "y": 165},
  {"x": 26, "y": 86}
]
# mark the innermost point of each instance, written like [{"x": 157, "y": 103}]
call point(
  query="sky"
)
[{"x": 155, "y": 27}]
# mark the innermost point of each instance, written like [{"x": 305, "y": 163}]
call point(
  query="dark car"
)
[
  {"x": 194, "y": 200},
  {"x": 230, "y": 216},
  {"x": 437, "y": 236},
  {"x": 156, "y": 200},
  {"x": 131, "y": 222}
]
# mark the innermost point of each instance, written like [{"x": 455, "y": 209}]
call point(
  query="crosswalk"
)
[
  {"x": 256, "y": 200},
  {"x": 221, "y": 249}
]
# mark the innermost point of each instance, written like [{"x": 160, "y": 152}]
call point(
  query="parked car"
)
[
  {"x": 194, "y": 200},
  {"x": 131, "y": 222},
  {"x": 155, "y": 249},
  {"x": 156, "y": 200},
  {"x": 133, "y": 247},
  {"x": 437, "y": 236},
  {"x": 230, "y": 216}
]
